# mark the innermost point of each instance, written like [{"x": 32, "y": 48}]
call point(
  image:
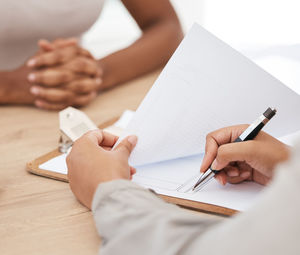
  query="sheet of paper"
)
[
  {"x": 176, "y": 177},
  {"x": 206, "y": 85},
  {"x": 57, "y": 164}
]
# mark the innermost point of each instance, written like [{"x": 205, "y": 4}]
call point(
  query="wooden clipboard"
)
[{"x": 33, "y": 167}]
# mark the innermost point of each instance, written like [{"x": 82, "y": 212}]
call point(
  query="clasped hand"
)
[{"x": 63, "y": 74}]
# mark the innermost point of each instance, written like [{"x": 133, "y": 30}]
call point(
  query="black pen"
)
[{"x": 249, "y": 134}]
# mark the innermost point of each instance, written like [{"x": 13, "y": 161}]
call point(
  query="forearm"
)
[
  {"x": 148, "y": 53},
  {"x": 14, "y": 87},
  {"x": 5, "y": 83},
  {"x": 132, "y": 219}
]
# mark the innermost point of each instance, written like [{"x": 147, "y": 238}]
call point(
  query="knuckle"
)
[
  {"x": 208, "y": 136},
  {"x": 90, "y": 135},
  {"x": 221, "y": 153},
  {"x": 40, "y": 60},
  {"x": 126, "y": 146},
  {"x": 64, "y": 76},
  {"x": 40, "y": 77},
  {"x": 82, "y": 87},
  {"x": 81, "y": 64},
  {"x": 58, "y": 56}
]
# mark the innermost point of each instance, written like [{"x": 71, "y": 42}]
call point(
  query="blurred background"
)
[{"x": 266, "y": 31}]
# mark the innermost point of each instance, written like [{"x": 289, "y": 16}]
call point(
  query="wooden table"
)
[{"x": 40, "y": 215}]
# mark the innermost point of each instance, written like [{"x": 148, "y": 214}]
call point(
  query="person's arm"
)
[
  {"x": 132, "y": 219},
  {"x": 14, "y": 87},
  {"x": 161, "y": 35},
  {"x": 253, "y": 160},
  {"x": 129, "y": 218},
  {"x": 74, "y": 82}
]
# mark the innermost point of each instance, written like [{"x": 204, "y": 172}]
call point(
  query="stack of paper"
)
[{"x": 205, "y": 86}]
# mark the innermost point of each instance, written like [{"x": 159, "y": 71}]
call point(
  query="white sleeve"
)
[{"x": 132, "y": 220}]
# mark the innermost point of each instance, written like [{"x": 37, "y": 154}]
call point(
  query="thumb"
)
[{"x": 126, "y": 146}]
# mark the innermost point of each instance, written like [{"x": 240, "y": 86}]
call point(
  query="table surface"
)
[{"x": 40, "y": 215}]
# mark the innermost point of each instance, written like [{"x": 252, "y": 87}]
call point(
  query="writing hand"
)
[{"x": 252, "y": 160}]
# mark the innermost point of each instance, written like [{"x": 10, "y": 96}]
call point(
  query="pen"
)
[{"x": 249, "y": 134}]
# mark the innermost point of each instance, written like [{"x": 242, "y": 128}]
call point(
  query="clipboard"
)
[{"x": 33, "y": 167}]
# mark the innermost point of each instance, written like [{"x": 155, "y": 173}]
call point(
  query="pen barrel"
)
[
  {"x": 238, "y": 140},
  {"x": 251, "y": 132},
  {"x": 255, "y": 132}
]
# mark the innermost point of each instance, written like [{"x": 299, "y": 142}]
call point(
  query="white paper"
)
[
  {"x": 124, "y": 119},
  {"x": 174, "y": 178},
  {"x": 205, "y": 86},
  {"x": 57, "y": 164}
]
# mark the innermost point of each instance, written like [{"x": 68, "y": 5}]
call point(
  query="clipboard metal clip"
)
[{"x": 73, "y": 124}]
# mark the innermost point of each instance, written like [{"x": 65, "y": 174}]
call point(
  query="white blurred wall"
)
[
  {"x": 267, "y": 31},
  {"x": 115, "y": 27}
]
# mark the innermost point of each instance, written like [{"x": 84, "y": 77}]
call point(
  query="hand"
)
[
  {"x": 92, "y": 161},
  {"x": 252, "y": 160},
  {"x": 64, "y": 75}
]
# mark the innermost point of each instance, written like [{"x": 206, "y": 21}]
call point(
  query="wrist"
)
[
  {"x": 6, "y": 87},
  {"x": 108, "y": 80},
  {"x": 14, "y": 87}
]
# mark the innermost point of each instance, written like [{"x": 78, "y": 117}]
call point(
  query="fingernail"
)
[
  {"x": 38, "y": 103},
  {"x": 34, "y": 90},
  {"x": 214, "y": 165},
  {"x": 245, "y": 175},
  {"x": 31, "y": 62},
  {"x": 220, "y": 180},
  {"x": 98, "y": 81},
  {"x": 223, "y": 182},
  {"x": 132, "y": 139},
  {"x": 232, "y": 173},
  {"x": 31, "y": 77}
]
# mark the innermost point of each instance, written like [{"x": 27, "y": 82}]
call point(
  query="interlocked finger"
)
[
  {"x": 51, "y": 77},
  {"x": 84, "y": 86}
]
